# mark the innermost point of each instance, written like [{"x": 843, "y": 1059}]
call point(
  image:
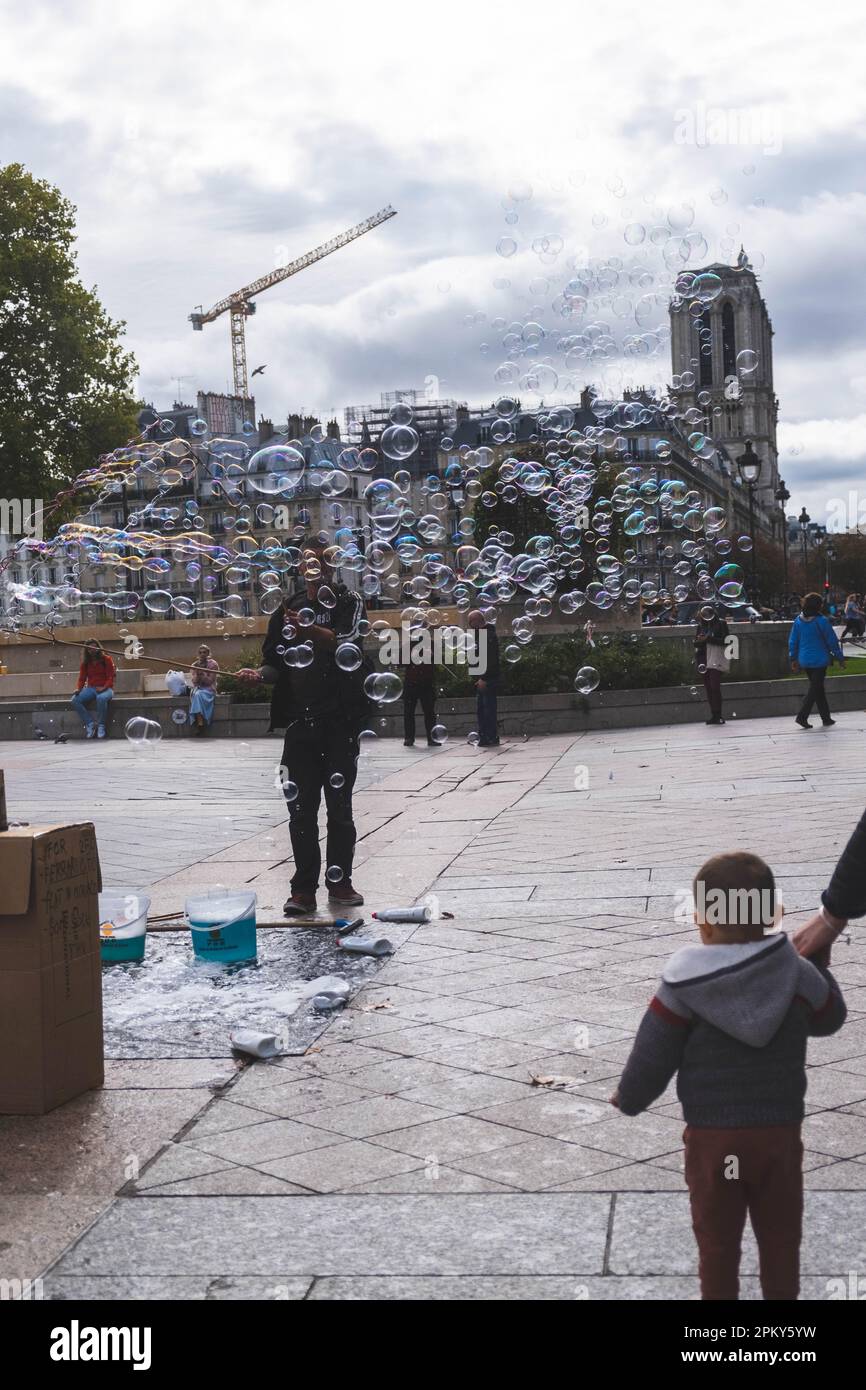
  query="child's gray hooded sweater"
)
[{"x": 732, "y": 1021}]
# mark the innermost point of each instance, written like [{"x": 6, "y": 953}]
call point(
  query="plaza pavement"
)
[{"x": 408, "y": 1153}]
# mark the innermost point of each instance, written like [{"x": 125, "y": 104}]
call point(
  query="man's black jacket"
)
[{"x": 321, "y": 690}]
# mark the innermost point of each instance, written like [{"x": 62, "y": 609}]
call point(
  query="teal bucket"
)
[
  {"x": 223, "y": 925},
  {"x": 122, "y": 925}
]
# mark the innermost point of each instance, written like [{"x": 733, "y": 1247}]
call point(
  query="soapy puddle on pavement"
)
[{"x": 172, "y": 1004}]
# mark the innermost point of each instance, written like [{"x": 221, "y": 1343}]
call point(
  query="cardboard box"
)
[{"x": 50, "y": 969}]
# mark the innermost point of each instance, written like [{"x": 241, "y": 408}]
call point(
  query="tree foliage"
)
[{"x": 65, "y": 378}]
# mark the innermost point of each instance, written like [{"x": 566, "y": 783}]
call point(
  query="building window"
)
[
  {"x": 705, "y": 349},
  {"x": 729, "y": 346}
]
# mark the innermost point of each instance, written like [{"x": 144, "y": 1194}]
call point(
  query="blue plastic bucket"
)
[
  {"x": 223, "y": 924},
  {"x": 122, "y": 925}
]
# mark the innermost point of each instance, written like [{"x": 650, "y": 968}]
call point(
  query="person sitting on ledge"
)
[{"x": 95, "y": 687}]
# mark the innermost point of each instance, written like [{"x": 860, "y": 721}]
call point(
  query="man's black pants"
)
[
  {"x": 411, "y": 696},
  {"x": 315, "y": 752}
]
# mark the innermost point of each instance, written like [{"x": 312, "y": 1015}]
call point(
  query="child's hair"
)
[
  {"x": 812, "y": 605},
  {"x": 735, "y": 890}
]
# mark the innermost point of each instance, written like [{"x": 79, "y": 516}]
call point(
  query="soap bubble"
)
[
  {"x": 747, "y": 361},
  {"x": 399, "y": 442},
  {"x": 337, "y": 780},
  {"x": 439, "y": 733},
  {"x": 729, "y": 581},
  {"x": 383, "y": 686},
  {"x": 586, "y": 680},
  {"x": 142, "y": 733},
  {"x": 348, "y": 657},
  {"x": 715, "y": 519},
  {"x": 334, "y": 874},
  {"x": 276, "y": 470},
  {"x": 706, "y": 287},
  {"x": 178, "y": 716},
  {"x": 158, "y": 601}
]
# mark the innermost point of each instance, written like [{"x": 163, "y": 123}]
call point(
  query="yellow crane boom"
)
[{"x": 240, "y": 304}]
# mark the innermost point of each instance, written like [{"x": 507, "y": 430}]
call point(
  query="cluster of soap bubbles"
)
[
  {"x": 574, "y": 316},
  {"x": 569, "y": 508},
  {"x": 601, "y": 482}
]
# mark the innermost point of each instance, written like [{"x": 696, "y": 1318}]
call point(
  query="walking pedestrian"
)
[
  {"x": 487, "y": 682},
  {"x": 812, "y": 647},
  {"x": 312, "y": 655},
  {"x": 711, "y": 634},
  {"x": 854, "y": 618}
]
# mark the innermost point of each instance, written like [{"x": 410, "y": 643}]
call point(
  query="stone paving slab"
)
[{"x": 477, "y": 1234}]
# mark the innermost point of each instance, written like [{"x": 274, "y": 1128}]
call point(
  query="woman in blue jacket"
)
[{"x": 812, "y": 645}]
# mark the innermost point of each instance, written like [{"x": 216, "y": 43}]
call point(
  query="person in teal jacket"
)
[{"x": 812, "y": 645}]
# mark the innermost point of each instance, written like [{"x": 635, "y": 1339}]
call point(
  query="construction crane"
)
[{"x": 240, "y": 304}]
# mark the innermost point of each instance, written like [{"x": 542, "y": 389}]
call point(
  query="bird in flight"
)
[{"x": 258, "y": 370}]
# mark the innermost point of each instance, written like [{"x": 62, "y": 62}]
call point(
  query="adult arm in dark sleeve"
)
[
  {"x": 492, "y": 672},
  {"x": 277, "y": 622},
  {"x": 845, "y": 897},
  {"x": 842, "y": 899}
]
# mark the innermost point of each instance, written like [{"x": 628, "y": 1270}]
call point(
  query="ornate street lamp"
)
[
  {"x": 750, "y": 471},
  {"x": 783, "y": 497},
  {"x": 829, "y": 557},
  {"x": 803, "y": 522}
]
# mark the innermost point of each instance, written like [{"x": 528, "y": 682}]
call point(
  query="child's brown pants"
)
[{"x": 730, "y": 1172}]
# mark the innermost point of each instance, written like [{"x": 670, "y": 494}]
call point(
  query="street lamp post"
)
[
  {"x": 783, "y": 497},
  {"x": 803, "y": 521},
  {"x": 750, "y": 471},
  {"x": 829, "y": 557}
]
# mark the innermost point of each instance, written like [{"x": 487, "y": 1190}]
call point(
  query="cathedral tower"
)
[{"x": 726, "y": 343}]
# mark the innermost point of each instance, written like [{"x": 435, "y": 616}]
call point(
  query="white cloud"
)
[{"x": 199, "y": 142}]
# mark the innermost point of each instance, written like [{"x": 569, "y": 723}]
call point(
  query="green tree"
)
[{"x": 65, "y": 379}]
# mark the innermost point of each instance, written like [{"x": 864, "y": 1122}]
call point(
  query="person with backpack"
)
[
  {"x": 812, "y": 646},
  {"x": 710, "y": 638}
]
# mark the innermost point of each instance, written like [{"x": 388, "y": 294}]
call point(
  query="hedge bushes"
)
[{"x": 548, "y": 666}]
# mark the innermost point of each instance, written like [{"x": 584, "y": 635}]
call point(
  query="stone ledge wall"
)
[{"x": 518, "y": 714}]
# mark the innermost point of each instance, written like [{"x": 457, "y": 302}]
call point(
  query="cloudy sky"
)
[{"x": 204, "y": 144}]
